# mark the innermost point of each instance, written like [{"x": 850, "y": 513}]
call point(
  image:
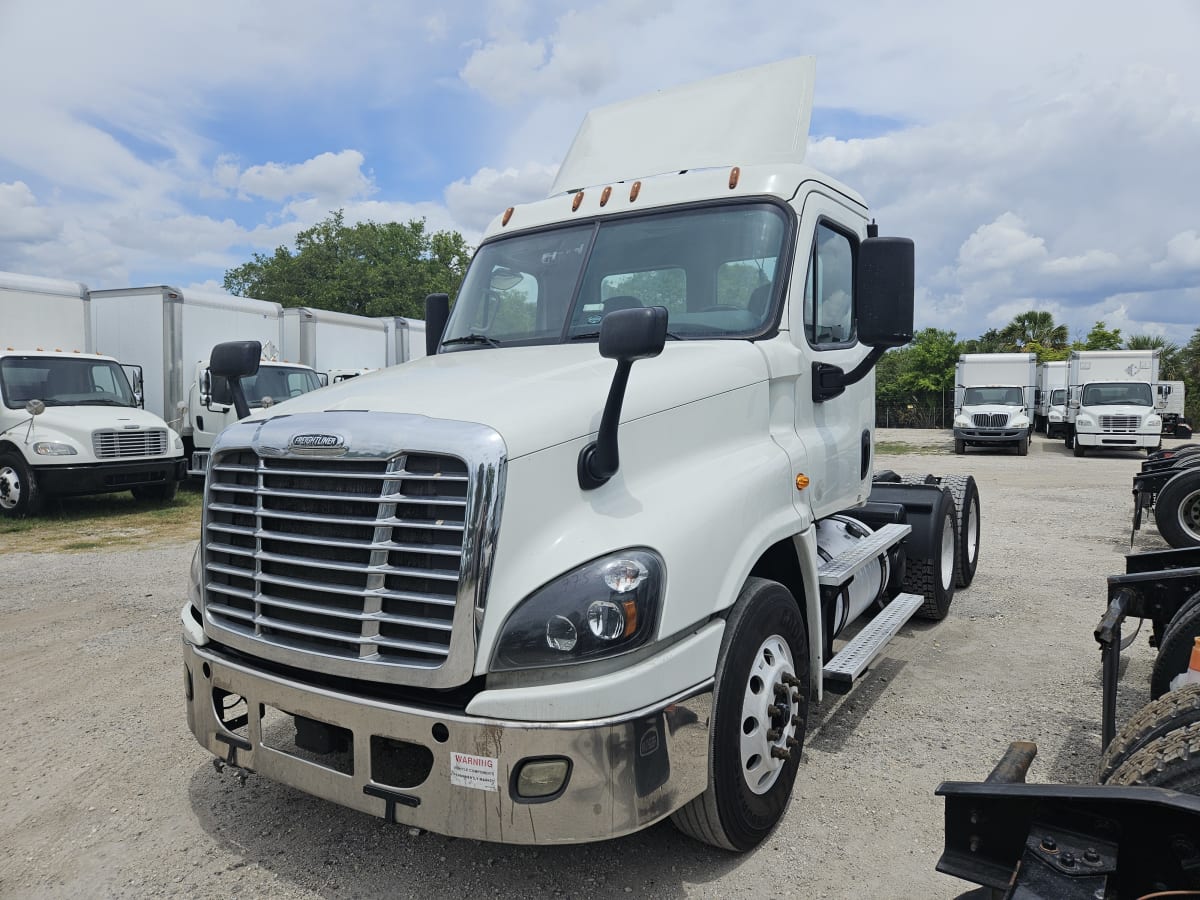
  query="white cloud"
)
[
  {"x": 1000, "y": 245},
  {"x": 21, "y": 218},
  {"x": 330, "y": 177},
  {"x": 474, "y": 202},
  {"x": 1183, "y": 253}
]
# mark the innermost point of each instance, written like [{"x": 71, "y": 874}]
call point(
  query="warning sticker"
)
[{"x": 477, "y": 772}]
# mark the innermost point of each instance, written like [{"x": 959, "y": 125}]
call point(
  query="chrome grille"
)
[
  {"x": 119, "y": 444},
  {"x": 1123, "y": 422},
  {"x": 990, "y": 420},
  {"x": 359, "y": 559}
]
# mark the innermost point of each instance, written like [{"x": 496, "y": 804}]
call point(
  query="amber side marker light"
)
[
  {"x": 802, "y": 481},
  {"x": 507, "y": 215},
  {"x": 577, "y": 201}
]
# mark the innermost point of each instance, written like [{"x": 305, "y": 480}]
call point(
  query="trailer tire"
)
[
  {"x": 1176, "y": 709},
  {"x": 934, "y": 578},
  {"x": 1023, "y": 445},
  {"x": 20, "y": 495},
  {"x": 1175, "y": 647},
  {"x": 158, "y": 493},
  {"x": 764, "y": 628},
  {"x": 960, "y": 447},
  {"x": 1171, "y": 761},
  {"x": 967, "y": 512},
  {"x": 1177, "y": 508}
]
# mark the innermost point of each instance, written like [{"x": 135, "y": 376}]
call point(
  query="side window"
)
[{"x": 829, "y": 289}]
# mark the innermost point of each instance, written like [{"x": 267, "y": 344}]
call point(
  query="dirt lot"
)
[{"x": 105, "y": 793}]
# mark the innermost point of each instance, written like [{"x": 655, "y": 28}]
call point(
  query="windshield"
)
[
  {"x": 279, "y": 383},
  {"x": 1058, "y": 398},
  {"x": 713, "y": 268},
  {"x": 63, "y": 381},
  {"x": 993, "y": 396},
  {"x": 1117, "y": 393}
]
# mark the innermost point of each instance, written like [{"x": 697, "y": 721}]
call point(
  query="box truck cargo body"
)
[
  {"x": 994, "y": 400},
  {"x": 70, "y": 420},
  {"x": 334, "y": 342},
  {"x": 405, "y": 339},
  {"x": 1111, "y": 402},
  {"x": 1051, "y": 398}
]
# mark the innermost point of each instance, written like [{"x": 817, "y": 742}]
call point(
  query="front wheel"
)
[
  {"x": 760, "y": 710},
  {"x": 1177, "y": 509},
  {"x": 1077, "y": 448},
  {"x": 1023, "y": 445},
  {"x": 960, "y": 447},
  {"x": 19, "y": 493},
  {"x": 158, "y": 493}
]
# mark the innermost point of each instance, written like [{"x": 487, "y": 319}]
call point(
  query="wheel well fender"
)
[
  {"x": 7, "y": 446},
  {"x": 923, "y": 506},
  {"x": 792, "y": 563}
]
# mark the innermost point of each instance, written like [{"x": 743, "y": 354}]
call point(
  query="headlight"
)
[
  {"x": 1019, "y": 422},
  {"x": 962, "y": 422},
  {"x": 1154, "y": 421},
  {"x": 53, "y": 448},
  {"x": 604, "y": 608},
  {"x": 1085, "y": 420}
]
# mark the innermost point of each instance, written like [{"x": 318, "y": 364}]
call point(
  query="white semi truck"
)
[
  {"x": 587, "y": 565},
  {"x": 1111, "y": 402},
  {"x": 70, "y": 421},
  {"x": 994, "y": 400},
  {"x": 170, "y": 333},
  {"x": 1051, "y": 398}
]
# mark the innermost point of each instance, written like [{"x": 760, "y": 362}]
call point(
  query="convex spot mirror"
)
[
  {"x": 35, "y": 407},
  {"x": 885, "y": 285}
]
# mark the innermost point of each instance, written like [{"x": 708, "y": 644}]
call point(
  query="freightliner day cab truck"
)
[
  {"x": 587, "y": 565},
  {"x": 171, "y": 332},
  {"x": 1111, "y": 401},
  {"x": 994, "y": 400},
  {"x": 70, "y": 421},
  {"x": 1051, "y": 398}
]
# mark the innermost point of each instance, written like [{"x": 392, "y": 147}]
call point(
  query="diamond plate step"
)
[
  {"x": 853, "y": 659},
  {"x": 844, "y": 566}
]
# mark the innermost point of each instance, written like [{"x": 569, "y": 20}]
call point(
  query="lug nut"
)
[
  {"x": 1048, "y": 844},
  {"x": 796, "y": 720},
  {"x": 775, "y": 711},
  {"x": 790, "y": 680},
  {"x": 774, "y": 734},
  {"x": 781, "y": 690},
  {"x": 1068, "y": 860},
  {"x": 792, "y": 743},
  {"x": 780, "y": 753}
]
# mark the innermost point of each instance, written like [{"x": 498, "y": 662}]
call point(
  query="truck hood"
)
[
  {"x": 992, "y": 409},
  {"x": 75, "y": 425},
  {"x": 536, "y": 397},
  {"x": 1122, "y": 409}
]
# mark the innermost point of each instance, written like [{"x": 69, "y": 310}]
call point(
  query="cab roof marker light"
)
[
  {"x": 575, "y": 204},
  {"x": 604, "y": 195},
  {"x": 734, "y": 174},
  {"x": 507, "y": 215},
  {"x": 634, "y": 191}
]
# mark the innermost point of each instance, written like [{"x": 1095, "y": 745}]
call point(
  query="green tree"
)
[
  {"x": 1189, "y": 371},
  {"x": 1033, "y": 327},
  {"x": 1101, "y": 337},
  {"x": 988, "y": 342},
  {"x": 369, "y": 269},
  {"x": 1169, "y": 356}
]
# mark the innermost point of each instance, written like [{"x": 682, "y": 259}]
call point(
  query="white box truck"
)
[
  {"x": 405, "y": 339},
  {"x": 1051, "y": 398},
  {"x": 587, "y": 566},
  {"x": 70, "y": 422},
  {"x": 1171, "y": 401},
  {"x": 1111, "y": 401},
  {"x": 994, "y": 400},
  {"x": 337, "y": 345},
  {"x": 170, "y": 333}
]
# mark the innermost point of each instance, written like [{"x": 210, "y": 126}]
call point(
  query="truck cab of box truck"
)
[
  {"x": 584, "y": 567},
  {"x": 210, "y": 408},
  {"x": 994, "y": 400},
  {"x": 1051, "y": 398},
  {"x": 1171, "y": 401},
  {"x": 70, "y": 424},
  {"x": 1111, "y": 403}
]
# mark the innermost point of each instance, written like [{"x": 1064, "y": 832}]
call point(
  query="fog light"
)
[{"x": 541, "y": 778}]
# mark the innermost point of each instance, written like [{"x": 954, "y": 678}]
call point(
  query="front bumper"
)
[
  {"x": 990, "y": 436},
  {"x": 625, "y": 773},
  {"x": 1117, "y": 440},
  {"x": 101, "y": 478}
]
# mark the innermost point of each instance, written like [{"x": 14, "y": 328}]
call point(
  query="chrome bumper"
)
[
  {"x": 624, "y": 773},
  {"x": 984, "y": 436}
]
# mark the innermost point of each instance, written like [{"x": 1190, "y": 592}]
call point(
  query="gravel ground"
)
[{"x": 106, "y": 794}]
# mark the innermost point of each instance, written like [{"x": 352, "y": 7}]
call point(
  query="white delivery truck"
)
[
  {"x": 1171, "y": 401},
  {"x": 994, "y": 400},
  {"x": 337, "y": 345},
  {"x": 405, "y": 339},
  {"x": 587, "y": 566},
  {"x": 1111, "y": 400},
  {"x": 70, "y": 421},
  {"x": 1051, "y": 398},
  {"x": 170, "y": 333}
]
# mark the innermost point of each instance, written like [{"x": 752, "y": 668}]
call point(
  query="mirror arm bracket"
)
[
  {"x": 830, "y": 381},
  {"x": 600, "y": 459}
]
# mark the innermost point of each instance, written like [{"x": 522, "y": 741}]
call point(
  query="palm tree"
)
[
  {"x": 1034, "y": 326},
  {"x": 1169, "y": 360}
]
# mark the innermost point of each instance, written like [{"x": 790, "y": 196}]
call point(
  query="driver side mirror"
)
[{"x": 885, "y": 286}]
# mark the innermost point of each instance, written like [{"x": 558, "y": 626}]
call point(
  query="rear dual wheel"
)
[
  {"x": 934, "y": 578},
  {"x": 1175, "y": 710},
  {"x": 760, "y": 709},
  {"x": 1177, "y": 508}
]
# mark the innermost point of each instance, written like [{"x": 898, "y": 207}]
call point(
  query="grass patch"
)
[
  {"x": 104, "y": 521},
  {"x": 899, "y": 448}
]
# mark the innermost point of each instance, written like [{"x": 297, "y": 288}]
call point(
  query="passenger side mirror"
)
[
  {"x": 885, "y": 284},
  {"x": 233, "y": 361}
]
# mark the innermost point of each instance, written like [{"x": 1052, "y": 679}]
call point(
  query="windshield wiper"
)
[
  {"x": 593, "y": 335},
  {"x": 103, "y": 402},
  {"x": 472, "y": 339}
]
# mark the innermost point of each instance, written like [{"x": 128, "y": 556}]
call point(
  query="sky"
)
[{"x": 1041, "y": 155}]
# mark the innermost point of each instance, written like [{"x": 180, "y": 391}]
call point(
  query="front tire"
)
[
  {"x": 1177, "y": 509},
  {"x": 1023, "y": 445},
  {"x": 934, "y": 578},
  {"x": 760, "y": 710},
  {"x": 158, "y": 493},
  {"x": 960, "y": 447},
  {"x": 1078, "y": 448},
  {"x": 20, "y": 496}
]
